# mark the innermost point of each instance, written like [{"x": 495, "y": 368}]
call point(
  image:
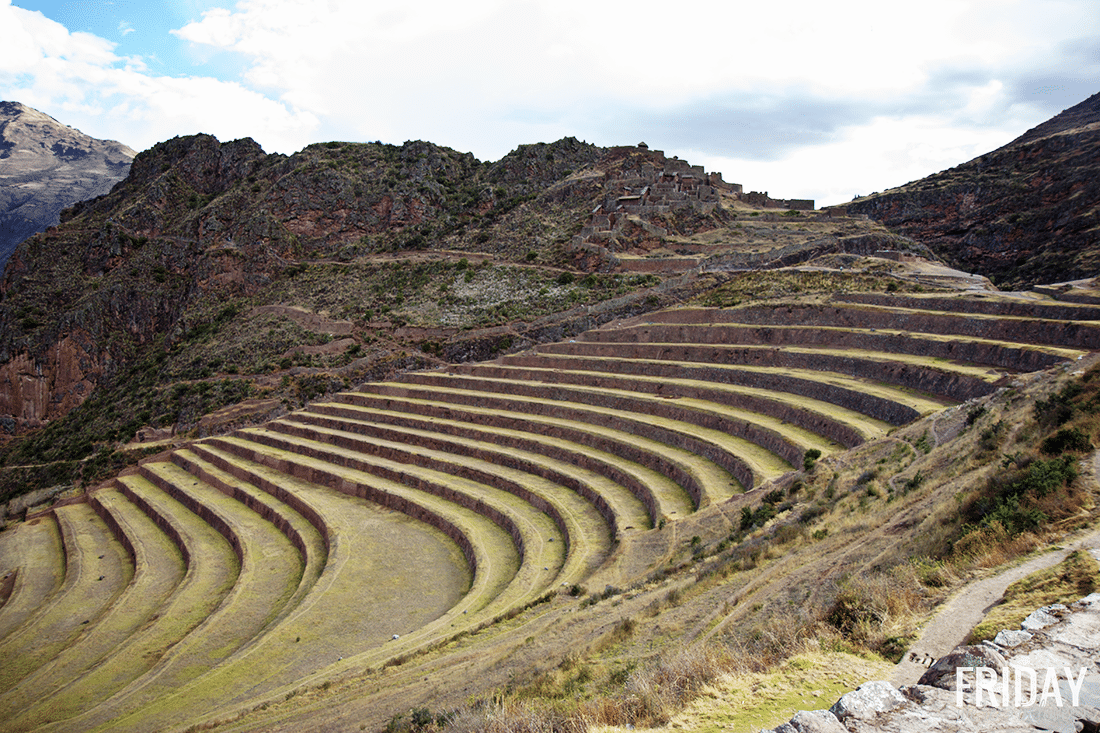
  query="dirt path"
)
[{"x": 957, "y": 617}]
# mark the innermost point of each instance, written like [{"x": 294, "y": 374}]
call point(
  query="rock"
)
[
  {"x": 870, "y": 699},
  {"x": 1008, "y": 638},
  {"x": 812, "y": 721},
  {"x": 942, "y": 673},
  {"x": 1039, "y": 619}
]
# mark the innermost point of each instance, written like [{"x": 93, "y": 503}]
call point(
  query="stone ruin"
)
[{"x": 656, "y": 185}]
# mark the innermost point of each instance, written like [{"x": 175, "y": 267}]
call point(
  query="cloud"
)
[
  {"x": 125, "y": 28},
  {"x": 820, "y": 100},
  {"x": 79, "y": 78}
]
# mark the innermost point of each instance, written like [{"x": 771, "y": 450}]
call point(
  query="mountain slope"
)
[
  {"x": 1026, "y": 213},
  {"x": 46, "y": 166}
]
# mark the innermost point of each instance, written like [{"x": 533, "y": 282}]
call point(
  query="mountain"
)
[
  {"x": 1026, "y": 213},
  {"x": 278, "y": 279},
  {"x": 46, "y": 166}
]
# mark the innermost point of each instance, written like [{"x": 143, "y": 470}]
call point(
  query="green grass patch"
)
[{"x": 1068, "y": 581}]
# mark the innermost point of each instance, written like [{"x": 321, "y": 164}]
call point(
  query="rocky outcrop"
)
[
  {"x": 45, "y": 167},
  {"x": 1056, "y": 639},
  {"x": 1023, "y": 214}
]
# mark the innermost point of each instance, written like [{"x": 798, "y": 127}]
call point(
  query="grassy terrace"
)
[
  {"x": 699, "y": 476},
  {"x": 679, "y": 377},
  {"x": 96, "y": 571},
  {"x": 232, "y": 572},
  {"x": 660, "y": 495},
  {"x": 34, "y": 549},
  {"x": 716, "y": 439},
  {"x": 719, "y": 366},
  {"x": 584, "y": 531},
  {"x": 158, "y": 572},
  {"x": 616, "y": 504}
]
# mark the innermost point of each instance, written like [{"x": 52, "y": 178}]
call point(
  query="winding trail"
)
[{"x": 957, "y": 617}]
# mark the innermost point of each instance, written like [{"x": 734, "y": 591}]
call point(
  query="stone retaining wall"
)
[
  {"x": 267, "y": 512},
  {"x": 879, "y": 408},
  {"x": 631, "y": 452},
  {"x": 637, "y": 488},
  {"x": 1066, "y": 334},
  {"x": 986, "y": 306},
  {"x": 1009, "y": 358},
  {"x": 291, "y": 499},
  {"x": 612, "y": 377},
  {"x": 497, "y": 458},
  {"x": 204, "y": 512},
  {"x": 384, "y": 498},
  {"x": 570, "y": 411},
  {"x": 114, "y": 526},
  {"x": 163, "y": 523},
  {"x": 766, "y": 438},
  {"x": 450, "y": 468}
]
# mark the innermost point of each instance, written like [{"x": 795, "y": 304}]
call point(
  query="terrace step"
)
[
  {"x": 586, "y": 532},
  {"x": 704, "y": 435},
  {"x": 616, "y": 504},
  {"x": 925, "y": 375},
  {"x": 797, "y": 423},
  {"x": 895, "y": 345},
  {"x": 787, "y": 396},
  {"x": 698, "y": 477},
  {"x": 1058, "y": 311},
  {"x": 34, "y": 551},
  {"x": 758, "y": 368},
  {"x": 539, "y": 536},
  {"x": 96, "y": 666},
  {"x": 361, "y": 598},
  {"x": 661, "y": 496},
  {"x": 212, "y": 571},
  {"x": 97, "y": 570},
  {"x": 304, "y": 535},
  {"x": 1059, "y": 334}
]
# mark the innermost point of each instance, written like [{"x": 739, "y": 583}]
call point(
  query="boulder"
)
[
  {"x": 870, "y": 699},
  {"x": 942, "y": 673}
]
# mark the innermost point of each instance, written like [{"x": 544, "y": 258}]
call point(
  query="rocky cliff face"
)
[
  {"x": 1026, "y": 213},
  {"x": 46, "y": 166},
  {"x": 199, "y": 226}
]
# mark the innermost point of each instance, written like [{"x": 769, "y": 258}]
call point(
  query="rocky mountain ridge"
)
[
  {"x": 1026, "y": 213},
  {"x": 46, "y": 166}
]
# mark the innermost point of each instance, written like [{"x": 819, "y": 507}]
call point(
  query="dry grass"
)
[{"x": 1076, "y": 576}]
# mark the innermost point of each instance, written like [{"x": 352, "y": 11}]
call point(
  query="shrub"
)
[
  {"x": 810, "y": 458},
  {"x": 1066, "y": 439}
]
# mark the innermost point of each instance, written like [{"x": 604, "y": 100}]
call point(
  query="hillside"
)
[
  {"x": 603, "y": 525},
  {"x": 1024, "y": 214},
  {"x": 380, "y": 437},
  {"x": 46, "y": 166},
  {"x": 216, "y": 275}
]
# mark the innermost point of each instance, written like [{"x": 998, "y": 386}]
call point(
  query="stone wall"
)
[
  {"x": 928, "y": 379},
  {"x": 511, "y": 421},
  {"x": 879, "y": 408},
  {"x": 431, "y": 442},
  {"x": 1060, "y": 334},
  {"x": 639, "y": 489},
  {"x": 572, "y": 411}
]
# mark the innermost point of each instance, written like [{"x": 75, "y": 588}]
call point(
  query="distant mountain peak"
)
[{"x": 47, "y": 166}]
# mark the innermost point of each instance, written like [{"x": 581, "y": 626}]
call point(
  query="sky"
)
[{"x": 801, "y": 99}]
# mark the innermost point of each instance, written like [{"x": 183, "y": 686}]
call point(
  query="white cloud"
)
[
  {"x": 79, "y": 78},
  {"x": 815, "y": 99}
]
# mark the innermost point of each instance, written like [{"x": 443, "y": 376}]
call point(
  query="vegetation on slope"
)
[{"x": 908, "y": 518}]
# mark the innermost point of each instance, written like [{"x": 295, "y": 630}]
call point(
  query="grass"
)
[
  {"x": 1070, "y": 580},
  {"x": 745, "y": 703}
]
